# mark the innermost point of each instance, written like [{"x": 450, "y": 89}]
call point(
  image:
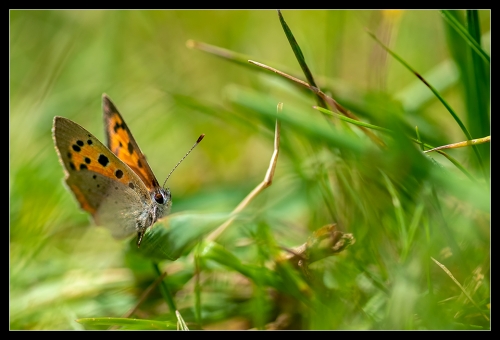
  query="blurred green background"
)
[{"x": 401, "y": 207}]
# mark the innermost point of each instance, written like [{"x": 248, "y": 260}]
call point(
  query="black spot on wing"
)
[
  {"x": 119, "y": 173},
  {"x": 103, "y": 160},
  {"x": 117, "y": 127},
  {"x": 130, "y": 148},
  {"x": 76, "y": 148}
]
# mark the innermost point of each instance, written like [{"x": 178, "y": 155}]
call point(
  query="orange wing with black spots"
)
[
  {"x": 92, "y": 171},
  {"x": 121, "y": 142}
]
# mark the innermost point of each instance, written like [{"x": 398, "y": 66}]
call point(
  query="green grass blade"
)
[
  {"x": 469, "y": 39},
  {"x": 197, "y": 285},
  {"x": 475, "y": 78},
  {"x": 398, "y": 209},
  {"x": 266, "y": 108},
  {"x": 458, "y": 165},
  {"x": 418, "y": 141},
  {"x": 412, "y": 228},
  {"x": 238, "y": 59},
  {"x": 418, "y": 138},
  {"x": 165, "y": 292},
  {"x": 129, "y": 323},
  {"x": 352, "y": 121},
  {"x": 300, "y": 57},
  {"x": 479, "y": 87},
  {"x": 438, "y": 95}
]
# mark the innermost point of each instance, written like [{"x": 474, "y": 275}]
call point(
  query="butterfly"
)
[{"x": 115, "y": 184}]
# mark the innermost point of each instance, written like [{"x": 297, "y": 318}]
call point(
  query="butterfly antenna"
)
[{"x": 197, "y": 142}]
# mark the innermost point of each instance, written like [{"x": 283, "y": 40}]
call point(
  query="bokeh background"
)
[{"x": 63, "y": 269}]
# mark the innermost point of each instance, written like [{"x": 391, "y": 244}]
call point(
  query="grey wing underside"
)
[{"x": 119, "y": 207}]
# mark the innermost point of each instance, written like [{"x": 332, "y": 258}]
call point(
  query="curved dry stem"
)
[
  {"x": 268, "y": 180},
  {"x": 461, "y": 144}
]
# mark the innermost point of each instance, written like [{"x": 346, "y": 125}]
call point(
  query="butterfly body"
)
[{"x": 115, "y": 183}]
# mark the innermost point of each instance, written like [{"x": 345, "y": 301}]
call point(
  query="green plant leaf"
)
[{"x": 176, "y": 235}]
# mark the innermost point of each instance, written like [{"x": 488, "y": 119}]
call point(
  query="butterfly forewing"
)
[
  {"x": 121, "y": 142},
  {"x": 99, "y": 180}
]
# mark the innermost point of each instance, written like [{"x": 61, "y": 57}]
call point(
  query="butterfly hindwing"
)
[{"x": 121, "y": 142}]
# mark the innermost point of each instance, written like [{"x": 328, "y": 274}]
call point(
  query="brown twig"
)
[{"x": 330, "y": 101}]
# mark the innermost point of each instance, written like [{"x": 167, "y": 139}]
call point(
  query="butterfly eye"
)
[{"x": 159, "y": 198}]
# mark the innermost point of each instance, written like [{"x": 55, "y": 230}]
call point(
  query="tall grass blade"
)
[
  {"x": 438, "y": 95},
  {"x": 468, "y": 38},
  {"x": 300, "y": 57}
]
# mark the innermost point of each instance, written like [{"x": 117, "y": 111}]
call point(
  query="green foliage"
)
[{"x": 420, "y": 255}]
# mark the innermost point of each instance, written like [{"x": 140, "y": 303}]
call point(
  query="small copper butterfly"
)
[{"x": 115, "y": 183}]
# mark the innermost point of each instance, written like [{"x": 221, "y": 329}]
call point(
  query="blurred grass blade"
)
[
  {"x": 165, "y": 292},
  {"x": 300, "y": 57},
  {"x": 217, "y": 253},
  {"x": 197, "y": 285},
  {"x": 458, "y": 165},
  {"x": 419, "y": 139},
  {"x": 398, "y": 210},
  {"x": 478, "y": 120},
  {"x": 448, "y": 107},
  {"x": 180, "y": 322},
  {"x": 238, "y": 58},
  {"x": 422, "y": 145},
  {"x": 457, "y": 26},
  {"x": 234, "y": 57},
  {"x": 129, "y": 323},
  {"x": 352, "y": 121},
  {"x": 412, "y": 228},
  {"x": 264, "y": 106},
  {"x": 461, "y": 287},
  {"x": 475, "y": 77},
  {"x": 283, "y": 278}
]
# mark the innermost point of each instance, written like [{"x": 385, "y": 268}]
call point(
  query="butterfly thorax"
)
[{"x": 160, "y": 206}]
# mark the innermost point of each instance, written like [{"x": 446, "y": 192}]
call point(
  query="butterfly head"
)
[
  {"x": 163, "y": 197},
  {"x": 162, "y": 202}
]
